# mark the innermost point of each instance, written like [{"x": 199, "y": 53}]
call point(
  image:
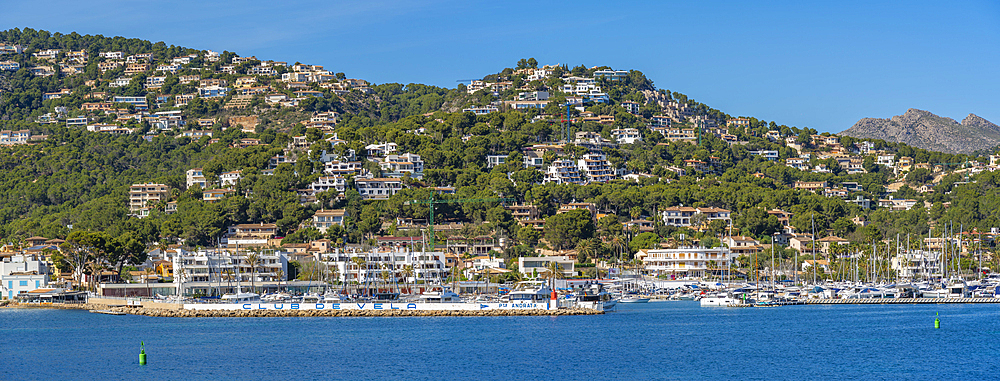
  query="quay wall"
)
[
  {"x": 102, "y": 303},
  {"x": 155, "y": 312},
  {"x": 904, "y": 301}
]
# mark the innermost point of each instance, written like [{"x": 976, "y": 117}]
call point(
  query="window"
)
[{"x": 23, "y": 283}]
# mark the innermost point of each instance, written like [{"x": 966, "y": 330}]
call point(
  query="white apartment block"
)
[
  {"x": 378, "y": 188},
  {"x": 917, "y": 264},
  {"x": 596, "y": 168},
  {"x": 324, "y": 219},
  {"x": 22, "y": 273},
  {"x": 142, "y": 195},
  {"x": 397, "y": 165},
  {"x": 428, "y": 267},
  {"x": 195, "y": 176},
  {"x": 380, "y": 150},
  {"x": 495, "y": 160},
  {"x": 563, "y": 171},
  {"x": 685, "y": 262},
  {"x": 327, "y": 183},
  {"x": 530, "y": 266},
  {"x": 205, "y": 271},
  {"x": 886, "y": 160},
  {"x": 112, "y": 55},
  {"x": 682, "y": 215},
  {"x": 342, "y": 168},
  {"x": 230, "y": 178},
  {"x": 626, "y": 135},
  {"x": 8, "y": 137}
]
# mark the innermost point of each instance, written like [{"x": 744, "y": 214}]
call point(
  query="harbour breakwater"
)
[
  {"x": 904, "y": 301},
  {"x": 158, "y": 312},
  {"x": 179, "y": 312}
]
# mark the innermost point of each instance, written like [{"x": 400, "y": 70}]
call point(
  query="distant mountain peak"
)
[{"x": 924, "y": 129}]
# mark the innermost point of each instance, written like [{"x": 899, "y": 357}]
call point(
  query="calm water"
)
[{"x": 668, "y": 340}]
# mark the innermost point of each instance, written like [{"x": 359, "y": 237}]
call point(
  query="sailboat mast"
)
[{"x": 812, "y": 219}]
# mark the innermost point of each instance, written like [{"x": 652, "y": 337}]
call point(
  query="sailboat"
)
[{"x": 240, "y": 296}]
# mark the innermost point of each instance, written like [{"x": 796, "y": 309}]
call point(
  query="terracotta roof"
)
[{"x": 832, "y": 239}]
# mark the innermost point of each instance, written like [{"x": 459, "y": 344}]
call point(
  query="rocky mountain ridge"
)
[{"x": 926, "y": 130}]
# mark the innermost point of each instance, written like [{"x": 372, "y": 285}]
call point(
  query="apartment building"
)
[
  {"x": 143, "y": 195},
  {"x": 245, "y": 235},
  {"x": 326, "y": 183},
  {"x": 564, "y": 171},
  {"x": 324, "y": 219},
  {"x": 685, "y": 262},
  {"x": 378, "y": 188},
  {"x": 626, "y": 135},
  {"x": 195, "y": 176},
  {"x": 596, "y": 168},
  {"x": 10, "y": 137}
]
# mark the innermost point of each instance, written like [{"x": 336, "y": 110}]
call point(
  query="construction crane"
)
[{"x": 431, "y": 201}]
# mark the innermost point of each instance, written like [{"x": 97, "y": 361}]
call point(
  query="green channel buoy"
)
[
  {"x": 142, "y": 353},
  {"x": 937, "y": 321}
]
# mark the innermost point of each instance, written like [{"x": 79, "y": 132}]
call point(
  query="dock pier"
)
[{"x": 904, "y": 301}]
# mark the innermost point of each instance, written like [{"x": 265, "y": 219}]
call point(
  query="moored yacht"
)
[
  {"x": 443, "y": 296},
  {"x": 719, "y": 300},
  {"x": 241, "y": 297},
  {"x": 633, "y": 299},
  {"x": 594, "y": 296},
  {"x": 531, "y": 291}
]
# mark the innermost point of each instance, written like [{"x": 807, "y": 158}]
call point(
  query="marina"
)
[{"x": 859, "y": 342}]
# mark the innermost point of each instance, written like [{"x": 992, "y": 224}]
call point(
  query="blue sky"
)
[{"x": 809, "y": 64}]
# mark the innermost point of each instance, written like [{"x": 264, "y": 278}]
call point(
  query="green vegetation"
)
[{"x": 78, "y": 181}]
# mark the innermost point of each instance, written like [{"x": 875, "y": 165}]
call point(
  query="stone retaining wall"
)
[{"x": 345, "y": 313}]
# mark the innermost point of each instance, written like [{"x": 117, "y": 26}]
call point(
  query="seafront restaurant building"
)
[{"x": 684, "y": 262}]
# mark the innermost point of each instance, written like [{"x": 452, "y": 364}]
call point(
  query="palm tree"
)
[
  {"x": 229, "y": 275},
  {"x": 280, "y": 275},
  {"x": 385, "y": 278},
  {"x": 358, "y": 261},
  {"x": 585, "y": 249},
  {"x": 253, "y": 259},
  {"x": 334, "y": 274},
  {"x": 619, "y": 244},
  {"x": 553, "y": 271},
  {"x": 148, "y": 271},
  {"x": 408, "y": 272}
]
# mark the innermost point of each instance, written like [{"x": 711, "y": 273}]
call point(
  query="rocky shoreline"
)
[{"x": 181, "y": 313}]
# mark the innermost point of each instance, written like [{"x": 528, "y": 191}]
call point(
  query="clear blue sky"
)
[{"x": 809, "y": 64}]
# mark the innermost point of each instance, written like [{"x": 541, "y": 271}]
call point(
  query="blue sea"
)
[{"x": 654, "y": 341}]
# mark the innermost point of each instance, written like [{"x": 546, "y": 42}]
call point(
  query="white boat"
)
[
  {"x": 866, "y": 293},
  {"x": 311, "y": 297},
  {"x": 684, "y": 296},
  {"x": 719, "y": 300},
  {"x": 955, "y": 289},
  {"x": 443, "y": 296},
  {"x": 386, "y": 297},
  {"x": 595, "y": 297},
  {"x": 633, "y": 299},
  {"x": 531, "y": 291},
  {"x": 935, "y": 294},
  {"x": 241, "y": 297},
  {"x": 331, "y": 297},
  {"x": 277, "y": 297}
]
